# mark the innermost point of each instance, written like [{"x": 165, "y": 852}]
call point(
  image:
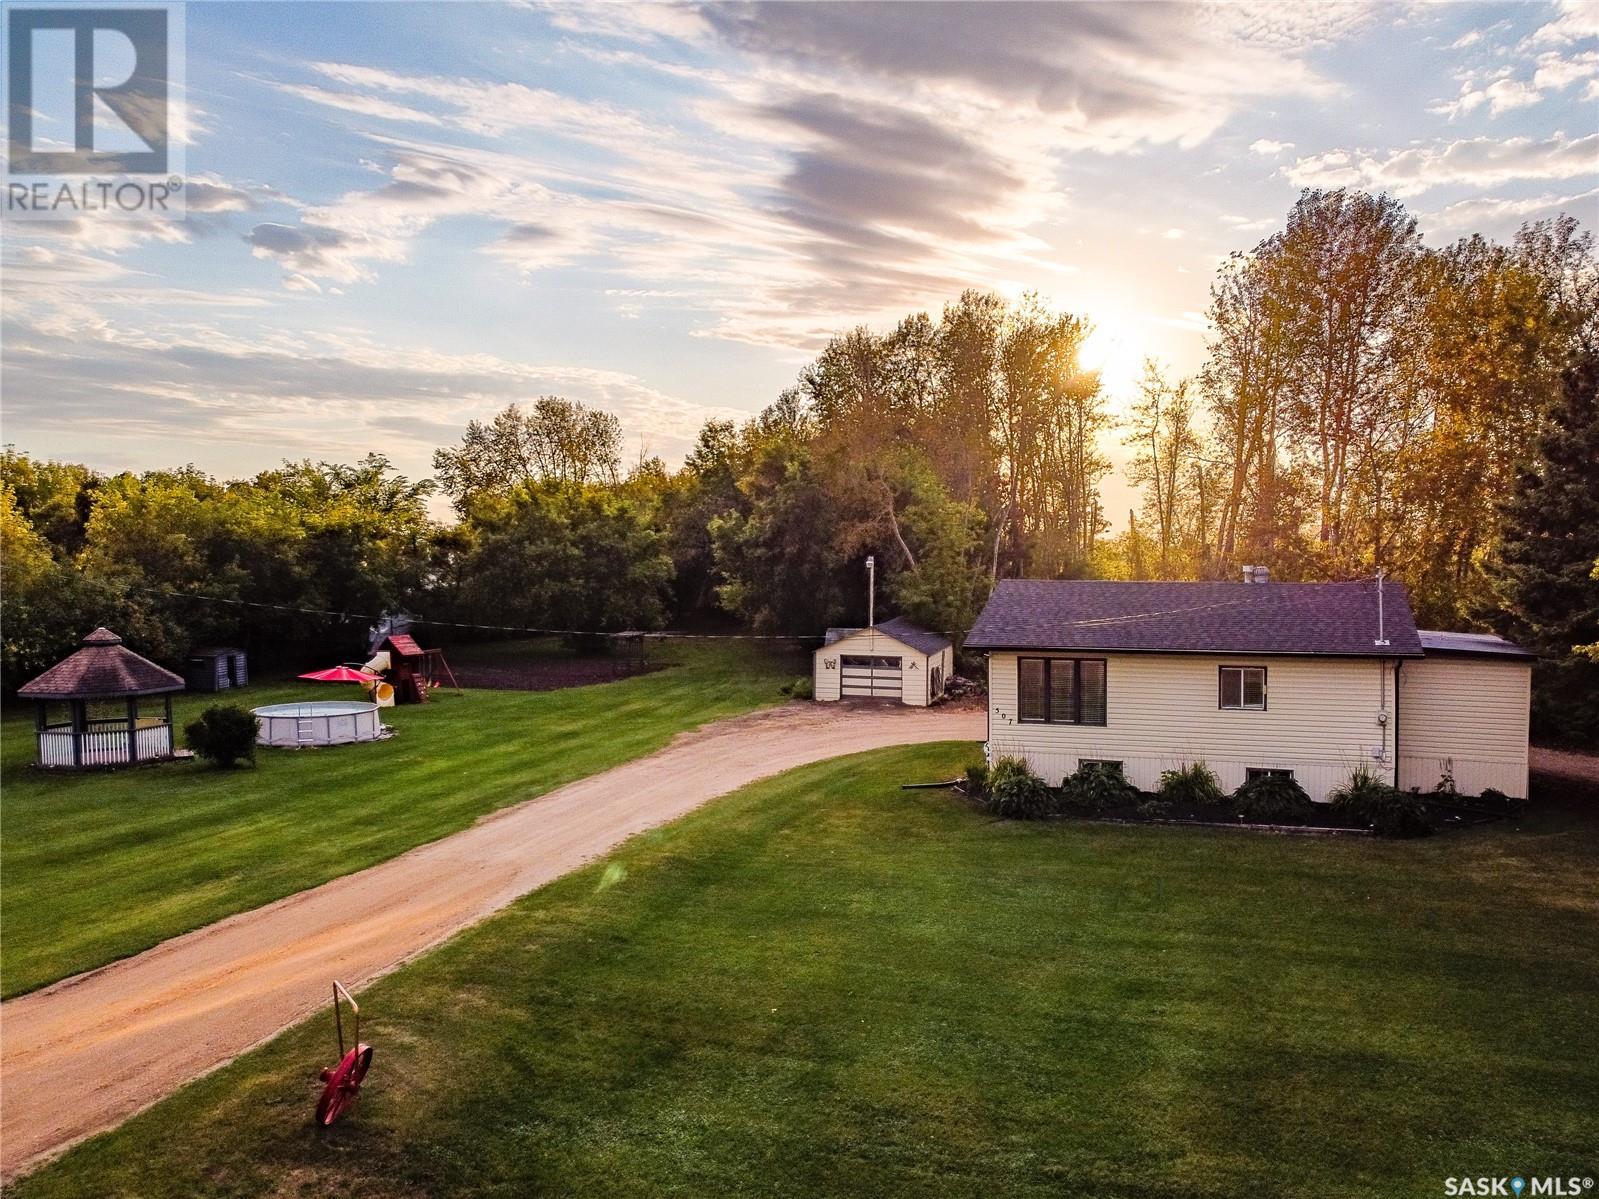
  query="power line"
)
[{"x": 629, "y": 634}]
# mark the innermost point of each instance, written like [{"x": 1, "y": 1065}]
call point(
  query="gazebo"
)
[{"x": 102, "y": 673}]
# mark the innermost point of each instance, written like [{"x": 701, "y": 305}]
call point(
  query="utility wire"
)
[{"x": 493, "y": 628}]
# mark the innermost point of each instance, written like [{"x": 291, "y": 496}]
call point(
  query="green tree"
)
[
  {"x": 557, "y": 440},
  {"x": 565, "y": 556},
  {"x": 1167, "y": 464},
  {"x": 1548, "y": 596}
]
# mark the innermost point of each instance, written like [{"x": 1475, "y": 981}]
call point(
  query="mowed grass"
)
[
  {"x": 823, "y": 985},
  {"x": 98, "y": 866}
]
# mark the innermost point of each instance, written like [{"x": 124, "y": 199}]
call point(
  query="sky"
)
[{"x": 402, "y": 216}]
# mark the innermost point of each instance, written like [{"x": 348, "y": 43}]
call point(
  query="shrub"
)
[
  {"x": 1016, "y": 793},
  {"x": 977, "y": 780},
  {"x": 1154, "y": 809},
  {"x": 1192, "y": 785},
  {"x": 224, "y": 735},
  {"x": 1095, "y": 787},
  {"x": 800, "y": 688},
  {"x": 1361, "y": 796},
  {"x": 1496, "y": 800},
  {"x": 1272, "y": 799},
  {"x": 1400, "y": 814},
  {"x": 1367, "y": 800}
]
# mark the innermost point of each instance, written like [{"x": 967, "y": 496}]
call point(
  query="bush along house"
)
[{"x": 1313, "y": 680}]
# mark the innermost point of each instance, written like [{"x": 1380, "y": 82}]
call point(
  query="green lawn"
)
[
  {"x": 99, "y": 866},
  {"x": 826, "y": 985}
]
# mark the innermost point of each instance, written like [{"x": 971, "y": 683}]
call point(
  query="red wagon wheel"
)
[
  {"x": 344, "y": 1079},
  {"x": 344, "y": 1084}
]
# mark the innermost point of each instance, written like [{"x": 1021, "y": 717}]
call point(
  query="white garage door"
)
[{"x": 869, "y": 676}]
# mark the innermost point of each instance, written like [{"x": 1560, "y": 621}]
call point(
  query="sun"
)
[{"x": 1118, "y": 355}]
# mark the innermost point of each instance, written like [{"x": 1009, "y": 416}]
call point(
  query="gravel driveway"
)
[{"x": 103, "y": 1045}]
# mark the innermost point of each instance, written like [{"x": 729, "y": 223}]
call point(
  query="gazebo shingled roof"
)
[{"x": 103, "y": 669}]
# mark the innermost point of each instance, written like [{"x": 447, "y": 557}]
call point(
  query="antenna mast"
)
[{"x": 1382, "y": 638}]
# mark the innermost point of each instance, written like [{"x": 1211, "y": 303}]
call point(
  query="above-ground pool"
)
[{"x": 317, "y": 723}]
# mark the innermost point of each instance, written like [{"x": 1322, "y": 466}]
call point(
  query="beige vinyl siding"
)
[
  {"x": 915, "y": 666},
  {"x": 1321, "y": 719},
  {"x": 1468, "y": 716}
]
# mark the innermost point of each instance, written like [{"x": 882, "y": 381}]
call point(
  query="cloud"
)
[
  {"x": 832, "y": 162},
  {"x": 1492, "y": 213},
  {"x": 1102, "y": 76},
  {"x": 1481, "y": 162},
  {"x": 1556, "y": 71},
  {"x": 1267, "y": 148},
  {"x": 297, "y": 392},
  {"x": 210, "y": 195},
  {"x": 370, "y": 106},
  {"x": 1575, "y": 20},
  {"x": 477, "y": 106}
]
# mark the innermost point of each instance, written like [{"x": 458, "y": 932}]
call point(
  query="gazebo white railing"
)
[{"x": 105, "y": 743}]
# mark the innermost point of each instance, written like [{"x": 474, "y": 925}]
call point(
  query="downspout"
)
[
  {"x": 1398, "y": 664},
  {"x": 988, "y": 711}
]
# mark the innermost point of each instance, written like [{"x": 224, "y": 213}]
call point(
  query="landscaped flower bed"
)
[{"x": 1192, "y": 795}]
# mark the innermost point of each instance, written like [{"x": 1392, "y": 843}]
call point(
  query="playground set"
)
[{"x": 399, "y": 672}]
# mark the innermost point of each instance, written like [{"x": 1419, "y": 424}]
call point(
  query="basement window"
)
[
  {"x": 1252, "y": 773},
  {"x": 1241, "y": 688}
]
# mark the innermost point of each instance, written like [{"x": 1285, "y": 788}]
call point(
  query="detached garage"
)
[{"x": 893, "y": 661}]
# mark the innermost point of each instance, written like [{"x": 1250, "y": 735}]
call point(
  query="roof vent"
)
[
  {"x": 1257, "y": 574},
  {"x": 1249, "y": 574}
]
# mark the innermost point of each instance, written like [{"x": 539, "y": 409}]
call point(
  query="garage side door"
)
[{"x": 871, "y": 676}]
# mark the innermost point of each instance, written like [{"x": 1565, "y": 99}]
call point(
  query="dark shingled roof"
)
[
  {"x": 103, "y": 669},
  {"x": 1475, "y": 644},
  {"x": 1227, "y": 618},
  {"x": 899, "y": 629}
]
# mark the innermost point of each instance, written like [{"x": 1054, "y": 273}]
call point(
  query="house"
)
[
  {"x": 216, "y": 668},
  {"x": 1464, "y": 709},
  {"x": 893, "y": 660},
  {"x": 1312, "y": 679}
]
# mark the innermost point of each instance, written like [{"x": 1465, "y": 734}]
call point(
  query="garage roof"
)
[{"x": 899, "y": 629}]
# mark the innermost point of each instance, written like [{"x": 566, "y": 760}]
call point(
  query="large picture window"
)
[
  {"x": 1242, "y": 688},
  {"x": 1060, "y": 690}
]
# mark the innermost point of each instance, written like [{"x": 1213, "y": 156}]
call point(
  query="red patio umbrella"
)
[{"x": 339, "y": 674}]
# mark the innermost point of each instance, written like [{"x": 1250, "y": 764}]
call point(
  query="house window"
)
[
  {"x": 1242, "y": 688},
  {"x": 1060, "y": 690},
  {"x": 1251, "y": 773}
]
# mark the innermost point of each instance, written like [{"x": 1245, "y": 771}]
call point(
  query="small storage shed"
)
[
  {"x": 1462, "y": 712},
  {"x": 893, "y": 660},
  {"x": 215, "y": 668},
  {"x": 103, "y": 686}
]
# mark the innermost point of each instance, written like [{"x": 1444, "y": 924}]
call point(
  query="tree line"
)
[{"x": 1366, "y": 403}]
